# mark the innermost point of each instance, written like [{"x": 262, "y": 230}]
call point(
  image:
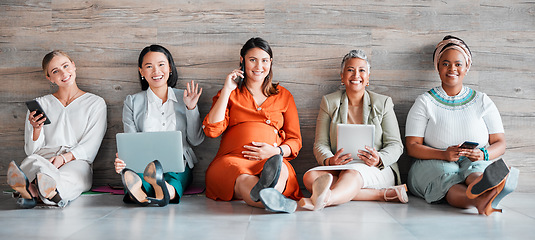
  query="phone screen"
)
[{"x": 469, "y": 145}]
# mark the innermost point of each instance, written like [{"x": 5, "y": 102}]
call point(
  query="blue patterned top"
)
[{"x": 465, "y": 98}]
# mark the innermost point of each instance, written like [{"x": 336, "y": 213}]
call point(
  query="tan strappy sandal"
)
[{"x": 401, "y": 194}]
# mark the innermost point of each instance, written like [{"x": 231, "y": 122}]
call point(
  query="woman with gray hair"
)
[{"x": 372, "y": 174}]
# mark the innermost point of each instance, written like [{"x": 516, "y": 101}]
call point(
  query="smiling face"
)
[
  {"x": 155, "y": 69},
  {"x": 61, "y": 71},
  {"x": 355, "y": 75},
  {"x": 452, "y": 68},
  {"x": 257, "y": 65}
]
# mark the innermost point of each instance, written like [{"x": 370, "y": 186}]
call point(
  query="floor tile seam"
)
[
  {"x": 399, "y": 223},
  {"x": 519, "y": 212},
  {"x": 73, "y": 235}
]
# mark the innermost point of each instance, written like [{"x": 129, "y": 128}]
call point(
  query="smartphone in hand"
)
[
  {"x": 33, "y": 105},
  {"x": 239, "y": 79},
  {"x": 469, "y": 145}
]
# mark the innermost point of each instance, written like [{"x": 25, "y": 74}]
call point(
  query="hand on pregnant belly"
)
[{"x": 259, "y": 151}]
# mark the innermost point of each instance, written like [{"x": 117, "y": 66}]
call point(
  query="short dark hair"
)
[
  {"x": 268, "y": 88},
  {"x": 171, "y": 82}
]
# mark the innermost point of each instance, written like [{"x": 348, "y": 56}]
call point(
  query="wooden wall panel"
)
[{"x": 308, "y": 37}]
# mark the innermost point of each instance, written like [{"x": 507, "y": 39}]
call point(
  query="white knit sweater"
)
[{"x": 445, "y": 121}]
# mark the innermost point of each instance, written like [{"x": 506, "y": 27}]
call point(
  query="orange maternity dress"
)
[{"x": 274, "y": 122}]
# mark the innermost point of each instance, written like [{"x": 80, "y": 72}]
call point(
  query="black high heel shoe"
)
[
  {"x": 132, "y": 184},
  {"x": 268, "y": 177},
  {"x": 18, "y": 181},
  {"x": 154, "y": 175}
]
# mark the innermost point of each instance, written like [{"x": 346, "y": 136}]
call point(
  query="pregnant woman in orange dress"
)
[{"x": 260, "y": 127}]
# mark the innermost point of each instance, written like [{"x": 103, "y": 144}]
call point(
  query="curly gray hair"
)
[{"x": 355, "y": 54}]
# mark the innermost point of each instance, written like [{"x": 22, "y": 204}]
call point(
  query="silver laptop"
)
[
  {"x": 353, "y": 137},
  {"x": 141, "y": 148}
]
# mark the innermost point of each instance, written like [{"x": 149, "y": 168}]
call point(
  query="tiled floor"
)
[{"x": 106, "y": 217}]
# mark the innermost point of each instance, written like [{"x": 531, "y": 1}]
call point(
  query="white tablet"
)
[
  {"x": 353, "y": 137},
  {"x": 141, "y": 148}
]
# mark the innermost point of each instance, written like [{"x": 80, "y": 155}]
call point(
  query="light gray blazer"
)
[
  {"x": 187, "y": 121},
  {"x": 377, "y": 110}
]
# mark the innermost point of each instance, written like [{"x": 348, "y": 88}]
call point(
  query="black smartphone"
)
[
  {"x": 239, "y": 79},
  {"x": 469, "y": 145},
  {"x": 33, "y": 105}
]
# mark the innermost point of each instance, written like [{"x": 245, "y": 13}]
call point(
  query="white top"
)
[
  {"x": 160, "y": 117},
  {"x": 78, "y": 128},
  {"x": 445, "y": 121}
]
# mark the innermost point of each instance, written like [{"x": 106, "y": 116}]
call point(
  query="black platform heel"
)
[
  {"x": 18, "y": 181},
  {"x": 154, "y": 175},
  {"x": 132, "y": 184}
]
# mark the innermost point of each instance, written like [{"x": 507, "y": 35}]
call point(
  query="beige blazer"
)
[{"x": 378, "y": 110}]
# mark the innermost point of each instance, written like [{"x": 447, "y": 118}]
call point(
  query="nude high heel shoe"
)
[
  {"x": 18, "y": 181},
  {"x": 306, "y": 203},
  {"x": 401, "y": 194},
  {"x": 47, "y": 189},
  {"x": 321, "y": 191}
]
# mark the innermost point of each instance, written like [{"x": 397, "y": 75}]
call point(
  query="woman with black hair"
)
[
  {"x": 437, "y": 125},
  {"x": 161, "y": 107},
  {"x": 260, "y": 127}
]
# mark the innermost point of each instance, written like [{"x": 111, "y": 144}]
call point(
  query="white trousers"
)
[{"x": 71, "y": 179}]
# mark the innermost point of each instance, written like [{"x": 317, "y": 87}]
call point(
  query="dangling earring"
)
[{"x": 142, "y": 78}]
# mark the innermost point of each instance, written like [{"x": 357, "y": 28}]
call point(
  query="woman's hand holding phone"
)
[
  {"x": 470, "y": 150},
  {"x": 230, "y": 81},
  {"x": 36, "y": 121}
]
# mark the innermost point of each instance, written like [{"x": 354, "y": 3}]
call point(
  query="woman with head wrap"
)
[{"x": 440, "y": 121}]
